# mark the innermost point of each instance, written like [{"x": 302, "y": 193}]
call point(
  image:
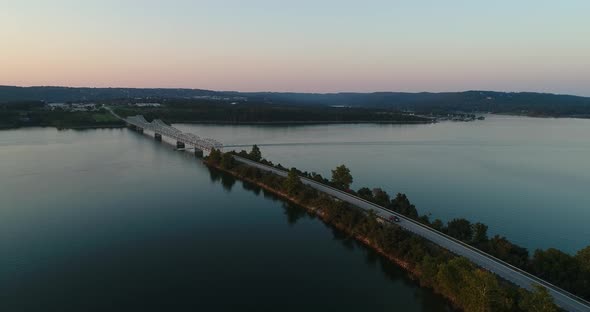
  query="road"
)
[
  {"x": 113, "y": 113},
  {"x": 562, "y": 298}
]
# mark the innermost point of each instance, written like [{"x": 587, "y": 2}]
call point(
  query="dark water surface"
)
[
  {"x": 527, "y": 178},
  {"x": 108, "y": 220}
]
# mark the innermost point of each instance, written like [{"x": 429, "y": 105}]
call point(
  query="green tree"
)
[
  {"x": 255, "y": 153},
  {"x": 227, "y": 161},
  {"x": 471, "y": 288},
  {"x": 380, "y": 197},
  {"x": 292, "y": 183},
  {"x": 437, "y": 224},
  {"x": 502, "y": 248},
  {"x": 449, "y": 277},
  {"x": 214, "y": 156},
  {"x": 365, "y": 193},
  {"x": 369, "y": 225},
  {"x": 482, "y": 292},
  {"x": 557, "y": 267},
  {"x": 341, "y": 177},
  {"x": 402, "y": 204},
  {"x": 583, "y": 258},
  {"x": 539, "y": 300},
  {"x": 460, "y": 229},
  {"x": 428, "y": 268},
  {"x": 480, "y": 233}
]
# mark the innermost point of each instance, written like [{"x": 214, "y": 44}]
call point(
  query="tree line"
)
[
  {"x": 34, "y": 113},
  {"x": 251, "y": 112},
  {"x": 468, "y": 287}
]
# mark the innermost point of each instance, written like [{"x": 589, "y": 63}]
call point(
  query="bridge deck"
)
[{"x": 158, "y": 126}]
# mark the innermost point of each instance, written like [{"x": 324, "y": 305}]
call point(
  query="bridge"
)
[
  {"x": 160, "y": 129},
  {"x": 562, "y": 298}
]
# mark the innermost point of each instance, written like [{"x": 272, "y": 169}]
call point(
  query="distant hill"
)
[
  {"x": 529, "y": 103},
  {"x": 66, "y": 94},
  {"x": 470, "y": 101}
]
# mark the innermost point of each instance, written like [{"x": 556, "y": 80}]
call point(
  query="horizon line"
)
[{"x": 294, "y": 92}]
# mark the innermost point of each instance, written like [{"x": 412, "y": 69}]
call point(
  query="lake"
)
[{"x": 110, "y": 220}]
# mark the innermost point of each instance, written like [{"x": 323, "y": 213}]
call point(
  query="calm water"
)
[
  {"x": 527, "y": 178},
  {"x": 108, "y": 220}
]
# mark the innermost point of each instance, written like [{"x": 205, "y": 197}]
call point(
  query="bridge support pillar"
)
[
  {"x": 198, "y": 152},
  {"x": 140, "y": 130},
  {"x": 157, "y": 136},
  {"x": 179, "y": 144}
]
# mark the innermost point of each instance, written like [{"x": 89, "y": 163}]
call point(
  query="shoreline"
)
[
  {"x": 288, "y": 123},
  {"x": 320, "y": 122},
  {"x": 583, "y": 117},
  {"x": 227, "y": 123},
  {"x": 89, "y": 127},
  {"x": 109, "y": 126}
]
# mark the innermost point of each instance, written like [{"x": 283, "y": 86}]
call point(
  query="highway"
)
[{"x": 562, "y": 298}]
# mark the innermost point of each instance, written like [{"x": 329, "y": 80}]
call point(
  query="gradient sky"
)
[{"x": 311, "y": 46}]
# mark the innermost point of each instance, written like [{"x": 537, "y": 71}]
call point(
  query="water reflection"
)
[
  {"x": 227, "y": 181},
  {"x": 252, "y": 187},
  {"x": 214, "y": 174},
  {"x": 293, "y": 213}
]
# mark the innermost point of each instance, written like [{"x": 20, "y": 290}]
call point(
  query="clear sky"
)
[{"x": 304, "y": 45}]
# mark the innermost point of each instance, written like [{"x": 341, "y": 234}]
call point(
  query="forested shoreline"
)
[
  {"x": 207, "y": 111},
  {"x": 465, "y": 285},
  {"x": 38, "y": 113}
]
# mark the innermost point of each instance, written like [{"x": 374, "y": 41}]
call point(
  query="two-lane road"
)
[{"x": 562, "y": 298}]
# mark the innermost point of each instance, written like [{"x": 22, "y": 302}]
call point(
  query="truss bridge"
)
[{"x": 160, "y": 129}]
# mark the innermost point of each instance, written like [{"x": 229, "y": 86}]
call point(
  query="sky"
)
[{"x": 303, "y": 46}]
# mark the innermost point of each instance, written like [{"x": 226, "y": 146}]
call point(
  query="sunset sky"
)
[{"x": 307, "y": 46}]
